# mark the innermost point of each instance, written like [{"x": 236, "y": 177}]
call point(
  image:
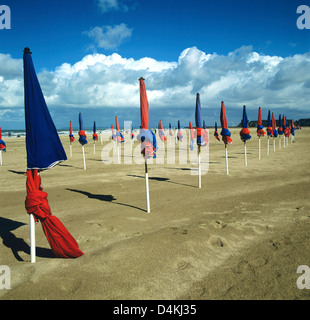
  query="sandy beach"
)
[{"x": 241, "y": 236}]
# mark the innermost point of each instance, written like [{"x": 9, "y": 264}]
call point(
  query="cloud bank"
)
[{"x": 98, "y": 81}]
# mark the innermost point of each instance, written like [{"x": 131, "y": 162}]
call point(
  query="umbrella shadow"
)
[
  {"x": 17, "y": 172},
  {"x": 103, "y": 197},
  {"x": 163, "y": 179},
  {"x": 18, "y": 244}
]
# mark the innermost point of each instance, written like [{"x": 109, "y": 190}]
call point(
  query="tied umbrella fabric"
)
[
  {"x": 260, "y": 131},
  {"x": 274, "y": 129},
  {"x": 245, "y": 132},
  {"x": 2, "y": 143},
  {"x": 82, "y": 134},
  {"x": 161, "y": 131},
  {"x": 269, "y": 126},
  {"x": 71, "y": 136},
  {"x": 204, "y": 134},
  {"x": 61, "y": 241},
  {"x": 225, "y": 133},
  {"x": 293, "y": 128},
  {"x": 216, "y": 134}
]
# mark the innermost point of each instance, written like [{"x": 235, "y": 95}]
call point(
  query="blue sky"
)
[{"x": 227, "y": 50}]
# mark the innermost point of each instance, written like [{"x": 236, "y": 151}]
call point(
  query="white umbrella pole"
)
[
  {"x": 147, "y": 188},
  {"x": 94, "y": 147},
  {"x": 70, "y": 149},
  {"x": 32, "y": 239},
  {"x": 274, "y": 145},
  {"x": 258, "y": 148},
  {"x": 279, "y": 142},
  {"x": 245, "y": 156},
  {"x": 226, "y": 156},
  {"x": 0, "y": 157},
  {"x": 84, "y": 158},
  {"x": 199, "y": 169},
  {"x": 268, "y": 146}
]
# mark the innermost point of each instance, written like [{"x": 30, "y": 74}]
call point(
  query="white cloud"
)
[
  {"x": 110, "y": 5},
  {"x": 109, "y": 37},
  {"x": 101, "y": 81}
]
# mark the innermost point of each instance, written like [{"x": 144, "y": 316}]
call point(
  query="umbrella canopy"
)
[
  {"x": 274, "y": 125},
  {"x": 71, "y": 137},
  {"x": 260, "y": 131},
  {"x": 161, "y": 131},
  {"x": 82, "y": 134},
  {"x": 269, "y": 125},
  {"x": 225, "y": 133},
  {"x": 2, "y": 143},
  {"x": 216, "y": 134},
  {"x": 146, "y": 136},
  {"x": 95, "y": 135},
  {"x": 44, "y": 148},
  {"x": 280, "y": 129},
  {"x": 119, "y": 135},
  {"x": 245, "y": 132},
  {"x": 40, "y": 128}
]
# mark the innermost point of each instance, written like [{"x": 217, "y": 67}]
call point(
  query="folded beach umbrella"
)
[
  {"x": 2, "y": 147},
  {"x": 146, "y": 136},
  {"x": 82, "y": 138},
  {"x": 179, "y": 134},
  {"x": 269, "y": 126},
  {"x": 280, "y": 130},
  {"x": 286, "y": 129},
  {"x": 293, "y": 128},
  {"x": 200, "y": 138},
  {"x": 225, "y": 133},
  {"x": 95, "y": 135},
  {"x": 269, "y": 131},
  {"x": 71, "y": 138},
  {"x": 260, "y": 131},
  {"x": 119, "y": 135},
  {"x": 192, "y": 136},
  {"x": 245, "y": 133},
  {"x": 44, "y": 150},
  {"x": 274, "y": 130},
  {"x": 170, "y": 131},
  {"x": 161, "y": 131},
  {"x": 216, "y": 134},
  {"x": 113, "y": 133}
]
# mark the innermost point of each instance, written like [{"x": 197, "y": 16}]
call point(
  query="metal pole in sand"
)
[
  {"x": 84, "y": 158},
  {"x": 147, "y": 189},
  {"x": 226, "y": 157}
]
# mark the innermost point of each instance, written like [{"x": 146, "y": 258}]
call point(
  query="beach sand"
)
[{"x": 240, "y": 236}]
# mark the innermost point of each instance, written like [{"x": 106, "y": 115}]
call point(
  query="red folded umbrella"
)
[{"x": 61, "y": 241}]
